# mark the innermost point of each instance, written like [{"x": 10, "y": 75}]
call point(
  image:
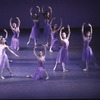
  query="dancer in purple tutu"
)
[
  {"x": 35, "y": 29},
  {"x": 87, "y": 55},
  {"x": 54, "y": 39},
  {"x": 40, "y": 72},
  {"x": 16, "y": 31},
  {"x": 47, "y": 16},
  {"x": 63, "y": 55},
  {"x": 4, "y": 62}
]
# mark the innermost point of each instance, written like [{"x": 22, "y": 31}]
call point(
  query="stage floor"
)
[{"x": 73, "y": 84}]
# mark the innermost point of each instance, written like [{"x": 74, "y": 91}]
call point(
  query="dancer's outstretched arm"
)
[
  {"x": 12, "y": 51},
  {"x": 91, "y": 30},
  {"x": 69, "y": 32}
]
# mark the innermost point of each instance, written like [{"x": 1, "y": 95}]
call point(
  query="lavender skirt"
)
[{"x": 88, "y": 54}]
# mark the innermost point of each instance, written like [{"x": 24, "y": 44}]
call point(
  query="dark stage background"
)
[{"x": 73, "y": 12}]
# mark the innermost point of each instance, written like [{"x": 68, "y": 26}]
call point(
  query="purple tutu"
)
[
  {"x": 4, "y": 62},
  {"x": 47, "y": 30},
  {"x": 63, "y": 55},
  {"x": 35, "y": 31},
  {"x": 87, "y": 52},
  {"x": 15, "y": 40},
  {"x": 40, "y": 71}
]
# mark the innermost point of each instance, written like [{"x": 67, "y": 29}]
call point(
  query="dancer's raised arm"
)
[
  {"x": 91, "y": 30},
  {"x": 51, "y": 22},
  {"x": 31, "y": 11},
  {"x": 50, "y": 11},
  {"x": 61, "y": 33},
  {"x": 83, "y": 30},
  {"x": 38, "y": 9},
  {"x": 44, "y": 50},
  {"x": 34, "y": 51},
  {"x": 18, "y": 21},
  {"x": 11, "y": 23},
  {"x": 6, "y": 33},
  {"x": 60, "y": 25},
  {"x": 69, "y": 32}
]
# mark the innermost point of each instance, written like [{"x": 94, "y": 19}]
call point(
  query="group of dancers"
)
[{"x": 50, "y": 31}]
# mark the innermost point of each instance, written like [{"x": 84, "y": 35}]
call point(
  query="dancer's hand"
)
[
  {"x": 49, "y": 7},
  {"x": 5, "y": 30},
  {"x": 68, "y": 26},
  {"x": 89, "y": 25},
  {"x": 62, "y": 28}
]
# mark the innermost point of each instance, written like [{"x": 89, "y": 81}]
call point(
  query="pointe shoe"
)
[
  {"x": 28, "y": 43},
  {"x": 50, "y": 50},
  {"x": 2, "y": 77},
  {"x": 47, "y": 78},
  {"x": 85, "y": 69},
  {"x": 17, "y": 48},
  {"x": 28, "y": 76},
  {"x": 11, "y": 74},
  {"x": 65, "y": 70},
  {"x": 47, "y": 45},
  {"x": 54, "y": 69}
]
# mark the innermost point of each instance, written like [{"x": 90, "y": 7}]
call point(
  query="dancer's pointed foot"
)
[
  {"x": 28, "y": 76},
  {"x": 28, "y": 42},
  {"x": 50, "y": 50},
  {"x": 11, "y": 74},
  {"x": 54, "y": 69},
  {"x": 2, "y": 77},
  {"x": 85, "y": 69},
  {"x": 47, "y": 77},
  {"x": 65, "y": 70},
  {"x": 17, "y": 48}
]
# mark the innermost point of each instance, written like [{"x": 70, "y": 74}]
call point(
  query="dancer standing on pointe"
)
[
  {"x": 35, "y": 29},
  {"x": 47, "y": 16},
  {"x": 54, "y": 39},
  {"x": 4, "y": 62},
  {"x": 16, "y": 31},
  {"x": 63, "y": 55},
  {"x": 40, "y": 72},
  {"x": 88, "y": 55}
]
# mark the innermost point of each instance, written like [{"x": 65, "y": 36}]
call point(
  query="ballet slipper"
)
[
  {"x": 65, "y": 70},
  {"x": 54, "y": 69},
  {"x": 17, "y": 48},
  {"x": 47, "y": 77},
  {"x": 2, "y": 77},
  {"x": 50, "y": 50},
  {"x": 85, "y": 69}
]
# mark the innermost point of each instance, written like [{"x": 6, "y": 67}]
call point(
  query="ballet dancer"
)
[
  {"x": 54, "y": 31},
  {"x": 63, "y": 55},
  {"x": 47, "y": 16},
  {"x": 88, "y": 55},
  {"x": 40, "y": 72},
  {"x": 4, "y": 62},
  {"x": 35, "y": 29},
  {"x": 16, "y": 31}
]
